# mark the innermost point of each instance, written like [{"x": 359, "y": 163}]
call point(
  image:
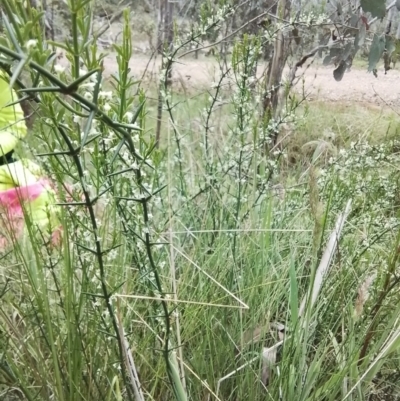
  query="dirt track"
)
[{"x": 357, "y": 85}]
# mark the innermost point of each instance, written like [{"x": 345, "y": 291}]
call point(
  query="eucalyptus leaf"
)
[
  {"x": 336, "y": 55},
  {"x": 347, "y": 51},
  {"x": 354, "y": 20},
  {"x": 360, "y": 37},
  {"x": 376, "y": 51},
  {"x": 390, "y": 44},
  {"x": 327, "y": 60},
  {"x": 338, "y": 73},
  {"x": 339, "y": 9},
  {"x": 376, "y": 7}
]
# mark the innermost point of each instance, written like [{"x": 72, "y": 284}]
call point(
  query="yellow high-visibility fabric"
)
[
  {"x": 21, "y": 182},
  {"x": 12, "y": 121},
  {"x": 17, "y": 174}
]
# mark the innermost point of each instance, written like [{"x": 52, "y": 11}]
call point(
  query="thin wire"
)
[{"x": 244, "y": 230}]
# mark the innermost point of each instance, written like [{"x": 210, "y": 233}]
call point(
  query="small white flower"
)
[
  {"x": 89, "y": 85},
  {"x": 107, "y": 107},
  {"x": 129, "y": 116},
  {"x": 88, "y": 96},
  {"x": 76, "y": 119},
  {"x": 105, "y": 95},
  {"x": 31, "y": 43},
  {"x": 59, "y": 68}
]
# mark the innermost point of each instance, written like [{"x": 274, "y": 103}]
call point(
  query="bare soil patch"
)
[{"x": 357, "y": 85}]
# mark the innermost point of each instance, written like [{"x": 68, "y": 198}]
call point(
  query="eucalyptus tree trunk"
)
[
  {"x": 165, "y": 25},
  {"x": 160, "y": 25},
  {"x": 276, "y": 66},
  {"x": 164, "y": 43},
  {"x": 168, "y": 24}
]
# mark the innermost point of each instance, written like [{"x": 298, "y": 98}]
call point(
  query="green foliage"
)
[
  {"x": 187, "y": 272},
  {"x": 377, "y": 8},
  {"x": 376, "y": 51}
]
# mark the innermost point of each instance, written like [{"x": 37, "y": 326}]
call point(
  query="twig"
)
[
  {"x": 181, "y": 301},
  {"x": 173, "y": 273},
  {"x": 391, "y": 5},
  {"x": 103, "y": 30},
  {"x": 242, "y": 304},
  {"x": 300, "y": 62},
  {"x": 130, "y": 364},
  {"x": 228, "y": 36},
  {"x": 230, "y": 374}
]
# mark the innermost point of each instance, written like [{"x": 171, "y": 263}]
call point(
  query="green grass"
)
[
  {"x": 349, "y": 121},
  {"x": 338, "y": 124}
]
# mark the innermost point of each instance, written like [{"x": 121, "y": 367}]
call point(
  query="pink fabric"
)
[
  {"x": 12, "y": 213},
  {"x": 10, "y": 200}
]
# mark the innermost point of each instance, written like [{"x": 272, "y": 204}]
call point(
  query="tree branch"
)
[{"x": 228, "y": 36}]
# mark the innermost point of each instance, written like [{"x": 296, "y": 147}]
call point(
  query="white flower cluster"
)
[
  {"x": 313, "y": 18},
  {"x": 214, "y": 20},
  {"x": 367, "y": 174}
]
